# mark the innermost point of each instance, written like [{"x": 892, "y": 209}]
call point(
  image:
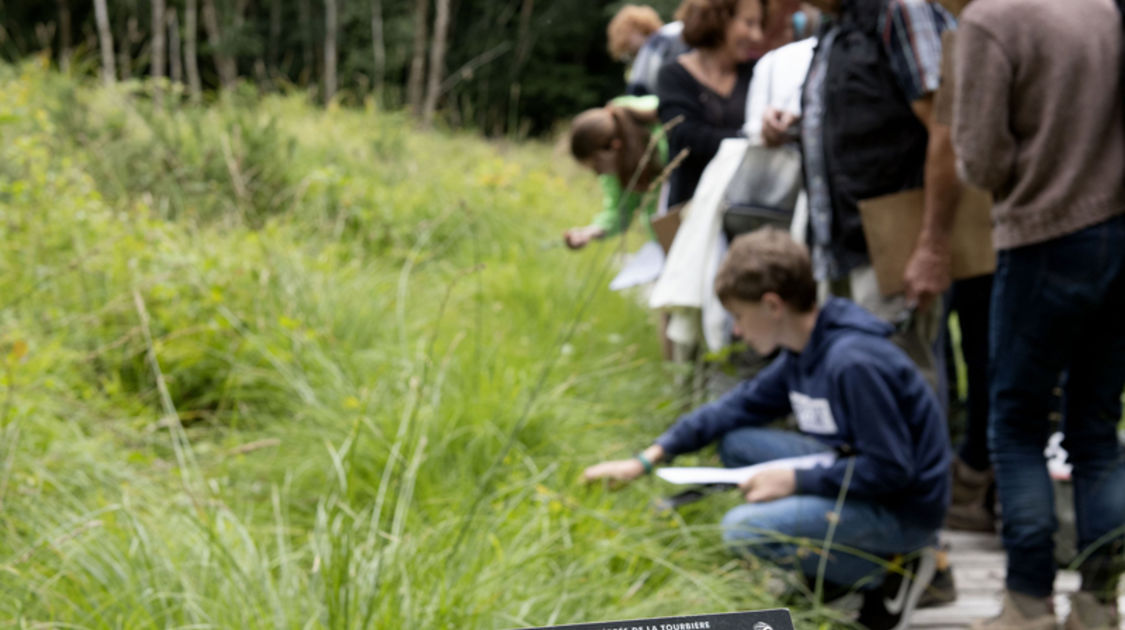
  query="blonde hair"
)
[
  {"x": 595, "y": 130},
  {"x": 632, "y": 18}
]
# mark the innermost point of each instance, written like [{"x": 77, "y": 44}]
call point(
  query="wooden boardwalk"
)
[{"x": 978, "y": 570}]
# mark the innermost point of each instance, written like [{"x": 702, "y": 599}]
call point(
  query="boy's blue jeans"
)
[
  {"x": 767, "y": 529},
  {"x": 1059, "y": 305}
]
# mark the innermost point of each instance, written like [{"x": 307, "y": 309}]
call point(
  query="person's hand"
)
[
  {"x": 769, "y": 485},
  {"x": 577, "y": 238},
  {"x": 927, "y": 275},
  {"x": 619, "y": 470},
  {"x": 776, "y": 126}
]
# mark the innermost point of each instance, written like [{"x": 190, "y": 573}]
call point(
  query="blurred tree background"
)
[{"x": 510, "y": 67}]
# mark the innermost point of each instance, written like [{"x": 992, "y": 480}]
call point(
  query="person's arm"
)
[
  {"x": 626, "y": 469},
  {"x": 679, "y": 96},
  {"x": 758, "y": 98},
  {"x": 779, "y": 120},
  {"x": 884, "y": 462},
  {"x": 929, "y": 272},
  {"x": 913, "y": 32},
  {"x": 755, "y": 402},
  {"x": 985, "y": 146},
  {"x": 618, "y": 206},
  {"x": 751, "y": 403}
]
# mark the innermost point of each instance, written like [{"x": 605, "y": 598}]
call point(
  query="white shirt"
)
[{"x": 778, "y": 77}]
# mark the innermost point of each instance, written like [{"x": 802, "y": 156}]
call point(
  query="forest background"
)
[{"x": 498, "y": 66}]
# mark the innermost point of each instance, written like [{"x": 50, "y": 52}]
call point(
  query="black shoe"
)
[
  {"x": 889, "y": 606},
  {"x": 941, "y": 590},
  {"x": 691, "y": 495}
]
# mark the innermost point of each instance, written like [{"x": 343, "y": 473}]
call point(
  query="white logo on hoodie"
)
[{"x": 814, "y": 415}]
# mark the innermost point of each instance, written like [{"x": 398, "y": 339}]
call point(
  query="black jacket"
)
[
  {"x": 874, "y": 143},
  {"x": 708, "y": 119}
]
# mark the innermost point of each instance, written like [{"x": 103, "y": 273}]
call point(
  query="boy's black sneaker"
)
[
  {"x": 689, "y": 496},
  {"x": 889, "y": 606},
  {"x": 941, "y": 591}
]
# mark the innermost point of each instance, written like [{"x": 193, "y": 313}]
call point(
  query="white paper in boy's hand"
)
[{"x": 736, "y": 476}]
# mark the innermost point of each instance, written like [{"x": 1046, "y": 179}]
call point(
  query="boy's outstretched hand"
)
[
  {"x": 769, "y": 485},
  {"x": 619, "y": 470}
]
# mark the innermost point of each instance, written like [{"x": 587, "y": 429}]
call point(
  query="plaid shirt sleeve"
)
[{"x": 911, "y": 31}]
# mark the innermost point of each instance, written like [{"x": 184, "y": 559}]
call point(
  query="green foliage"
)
[
  {"x": 358, "y": 396},
  {"x": 235, "y": 151},
  {"x": 503, "y": 75}
]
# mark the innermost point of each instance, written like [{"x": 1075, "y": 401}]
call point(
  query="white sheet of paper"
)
[
  {"x": 702, "y": 474},
  {"x": 643, "y": 266}
]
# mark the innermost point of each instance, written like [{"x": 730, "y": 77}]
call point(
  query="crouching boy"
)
[{"x": 849, "y": 389}]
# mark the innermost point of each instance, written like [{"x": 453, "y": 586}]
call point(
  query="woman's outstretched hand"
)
[{"x": 579, "y": 237}]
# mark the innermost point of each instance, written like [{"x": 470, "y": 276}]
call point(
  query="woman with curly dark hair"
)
[{"x": 707, "y": 86}]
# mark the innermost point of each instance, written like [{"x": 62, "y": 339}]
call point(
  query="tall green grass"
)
[{"x": 265, "y": 365}]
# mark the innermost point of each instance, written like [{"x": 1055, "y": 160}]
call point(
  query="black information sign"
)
[{"x": 757, "y": 620}]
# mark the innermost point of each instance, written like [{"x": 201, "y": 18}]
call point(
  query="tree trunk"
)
[
  {"x": 158, "y": 52},
  {"x": 44, "y": 34},
  {"x": 379, "y": 45},
  {"x": 523, "y": 47},
  {"x": 240, "y": 14},
  {"x": 418, "y": 60},
  {"x": 176, "y": 65},
  {"x": 105, "y": 36},
  {"x": 125, "y": 50},
  {"x": 330, "y": 20},
  {"x": 523, "y": 50},
  {"x": 241, "y": 8},
  {"x": 437, "y": 60},
  {"x": 64, "y": 35},
  {"x": 274, "y": 48},
  {"x": 191, "y": 57},
  {"x": 304, "y": 15},
  {"x": 228, "y": 71}
]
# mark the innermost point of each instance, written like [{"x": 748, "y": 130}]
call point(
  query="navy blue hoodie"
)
[{"x": 850, "y": 387}]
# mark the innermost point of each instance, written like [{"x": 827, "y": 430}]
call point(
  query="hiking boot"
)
[
  {"x": 889, "y": 606},
  {"x": 1088, "y": 613},
  {"x": 1011, "y": 617},
  {"x": 969, "y": 510}
]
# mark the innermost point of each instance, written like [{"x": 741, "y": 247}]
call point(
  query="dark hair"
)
[
  {"x": 595, "y": 130},
  {"x": 705, "y": 21},
  {"x": 764, "y": 261}
]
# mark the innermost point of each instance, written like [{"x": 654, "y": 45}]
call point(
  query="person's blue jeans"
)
[
  {"x": 1058, "y": 306},
  {"x": 791, "y": 532}
]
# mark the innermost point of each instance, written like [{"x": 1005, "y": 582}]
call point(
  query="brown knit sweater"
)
[{"x": 1037, "y": 115}]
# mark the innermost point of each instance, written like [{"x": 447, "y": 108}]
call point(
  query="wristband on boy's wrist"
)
[{"x": 646, "y": 462}]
